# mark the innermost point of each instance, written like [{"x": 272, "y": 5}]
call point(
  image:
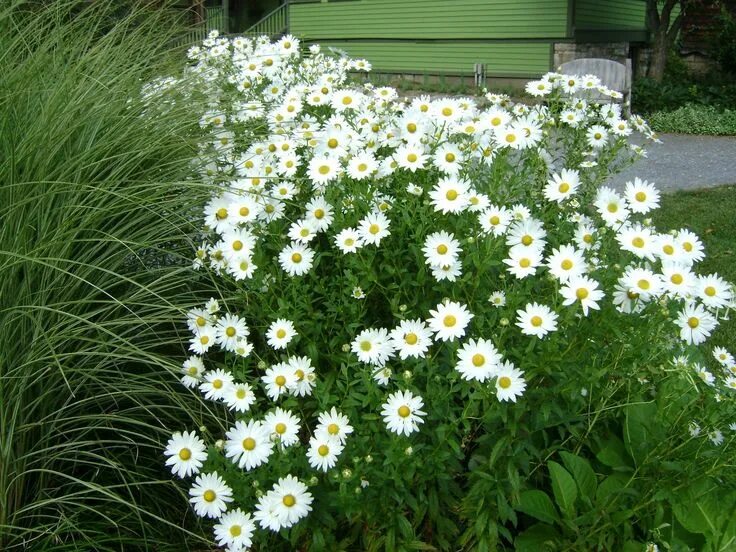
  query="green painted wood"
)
[
  {"x": 502, "y": 58},
  {"x": 429, "y": 19},
  {"x": 610, "y": 15}
]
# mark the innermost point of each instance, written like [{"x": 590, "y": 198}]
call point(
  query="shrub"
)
[
  {"x": 446, "y": 333},
  {"x": 93, "y": 206},
  {"x": 696, "y": 119}
]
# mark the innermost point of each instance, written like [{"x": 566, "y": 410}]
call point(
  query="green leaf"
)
[
  {"x": 613, "y": 454},
  {"x": 538, "y": 538},
  {"x": 611, "y": 485},
  {"x": 639, "y": 437},
  {"x": 563, "y": 486},
  {"x": 538, "y": 505},
  {"x": 582, "y": 472}
]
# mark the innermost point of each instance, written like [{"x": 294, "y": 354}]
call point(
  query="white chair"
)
[{"x": 614, "y": 75}]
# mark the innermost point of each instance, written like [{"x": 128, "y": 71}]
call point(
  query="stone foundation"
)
[{"x": 569, "y": 51}]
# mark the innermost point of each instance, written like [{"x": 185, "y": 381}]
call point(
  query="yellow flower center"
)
[
  {"x": 588, "y": 238},
  {"x": 280, "y": 428},
  {"x": 217, "y": 384},
  {"x": 693, "y": 322},
  {"x": 412, "y": 157},
  {"x": 581, "y": 293},
  {"x": 299, "y": 374},
  {"x": 240, "y": 393},
  {"x": 640, "y": 196},
  {"x": 280, "y": 381},
  {"x": 244, "y": 211},
  {"x": 269, "y": 208},
  {"x": 281, "y": 333},
  {"x": 235, "y": 530},
  {"x": 366, "y": 346},
  {"x": 442, "y": 249},
  {"x": 424, "y": 108},
  {"x": 272, "y": 148},
  {"x": 687, "y": 246},
  {"x": 411, "y": 338},
  {"x": 296, "y": 258},
  {"x": 563, "y": 188},
  {"x": 201, "y": 321},
  {"x": 494, "y": 220},
  {"x": 525, "y": 263},
  {"x": 527, "y": 240},
  {"x": 710, "y": 291},
  {"x": 496, "y": 121},
  {"x": 637, "y": 242},
  {"x": 362, "y": 167},
  {"x": 676, "y": 279},
  {"x": 349, "y": 242},
  {"x": 324, "y": 90},
  {"x": 304, "y": 232},
  {"x": 324, "y": 169},
  {"x": 536, "y": 321},
  {"x": 668, "y": 249},
  {"x": 451, "y": 195},
  {"x": 566, "y": 264},
  {"x": 347, "y": 100},
  {"x": 632, "y": 295},
  {"x": 192, "y": 371},
  {"x": 404, "y": 411},
  {"x": 288, "y": 500},
  {"x": 185, "y": 454},
  {"x": 511, "y": 138},
  {"x": 446, "y": 111},
  {"x": 332, "y": 429},
  {"x": 374, "y": 229},
  {"x": 597, "y": 136},
  {"x": 450, "y": 157},
  {"x": 230, "y": 331},
  {"x": 411, "y": 127},
  {"x": 221, "y": 213},
  {"x": 332, "y": 143},
  {"x": 504, "y": 382},
  {"x": 209, "y": 495},
  {"x": 643, "y": 284},
  {"x": 249, "y": 443},
  {"x": 478, "y": 360},
  {"x": 323, "y": 450},
  {"x": 612, "y": 207},
  {"x": 319, "y": 214},
  {"x": 449, "y": 321}
]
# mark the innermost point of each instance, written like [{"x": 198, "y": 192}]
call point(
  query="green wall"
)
[
  {"x": 610, "y": 15},
  {"x": 513, "y": 37}
]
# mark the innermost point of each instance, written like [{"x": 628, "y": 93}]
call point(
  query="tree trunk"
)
[{"x": 658, "y": 61}]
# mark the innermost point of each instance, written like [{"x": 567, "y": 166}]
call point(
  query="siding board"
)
[{"x": 608, "y": 15}]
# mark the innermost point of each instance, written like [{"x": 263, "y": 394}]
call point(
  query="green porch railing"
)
[
  {"x": 272, "y": 24},
  {"x": 214, "y": 19}
]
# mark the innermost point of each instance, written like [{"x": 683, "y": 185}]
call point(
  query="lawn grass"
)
[{"x": 711, "y": 214}]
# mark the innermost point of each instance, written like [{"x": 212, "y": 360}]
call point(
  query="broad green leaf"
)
[
  {"x": 639, "y": 437},
  {"x": 563, "y": 486},
  {"x": 538, "y": 538},
  {"x": 613, "y": 454},
  {"x": 582, "y": 472},
  {"x": 538, "y": 505},
  {"x": 611, "y": 485}
]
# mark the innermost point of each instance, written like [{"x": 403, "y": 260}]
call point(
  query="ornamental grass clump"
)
[
  {"x": 439, "y": 326},
  {"x": 95, "y": 217}
]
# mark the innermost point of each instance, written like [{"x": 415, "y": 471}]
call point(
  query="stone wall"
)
[{"x": 568, "y": 51}]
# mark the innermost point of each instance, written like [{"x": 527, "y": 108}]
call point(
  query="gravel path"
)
[{"x": 685, "y": 162}]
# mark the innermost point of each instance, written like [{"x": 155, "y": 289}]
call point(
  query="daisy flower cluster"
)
[{"x": 386, "y": 245}]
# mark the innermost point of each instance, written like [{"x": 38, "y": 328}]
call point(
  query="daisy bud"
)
[
  {"x": 407, "y": 375},
  {"x": 504, "y": 322},
  {"x": 219, "y": 444},
  {"x": 358, "y": 490},
  {"x": 402, "y": 308},
  {"x": 409, "y": 451},
  {"x": 584, "y": 392},
  {"x": 347, "y": 473},
  {"x": 346, "y": 348},
  {"x": 202, "y": 429},
  {"x": 470, "y": 239},
  {"x": 368, "y": 458},
  {"x": 261, "y": 365},
  {"x": 313, "y": 480}
]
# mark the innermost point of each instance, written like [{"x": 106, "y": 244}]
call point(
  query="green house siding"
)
[
  {"x": 610, "y": 15},
  {"x": 503, "y": 59},
  {"x": 430, "y": 19},
  {"x": 512, "y": 37}
]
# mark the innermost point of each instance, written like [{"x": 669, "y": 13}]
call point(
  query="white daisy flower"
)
[
  {"x": 449, "y": 320},
  {"x": 348, "y": 240},
  {"x": 693, "y": 250},
  {"x": 296, "y": 259},
  {"x": 714, "y": 292},
  {"x": 323, "y": 452},
  {"x": 478, "y": 360},
  {"x": 230, "y": 329},
  {"x": 373, "y": 346},
  {"x": 279, "y": 379},
  {"x": 239, "y": 397},
  {"x": 497, "y": 299},
  {"x": 523, "y": 261},
  {"x": 192, "y": 370},
  {"x": 333, "y": 425},
  {"x": 186, "y": 452},
  {"x": 537, "y": 320},
  {"x": 235, "y": 530},
  {"x": 248, "y": 445},
  {"x": 216, "y": 383},
  {"x": 441, "y": 249},
  {"x": 495, "y": 220},
  {"x": 319, "y": 214},
  {"x": 566, "y": 262},
  {"x": 641, "y": 196},
  {"x": 282, "y": 426},
  {"x": 450, "y": 196},
  {"x": 373, "y": 228},
  {"x": 280, "y": 333},
  {"x": 696, "y": 324},
  {"x": 402, "y": 412},
  {"x": 210, "y": 495},
  {"x": 562, "y": 186},
  {"x": 203, "y": 339},
  {"x": 304, "y": 376},
  {"x": 411, "y": 338},
  {"x": 611, "y": 206},
  {"x": 584, "y": 290},
  {"x": 284, "y": 505},
  {"x": 510, "y": 382}
]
